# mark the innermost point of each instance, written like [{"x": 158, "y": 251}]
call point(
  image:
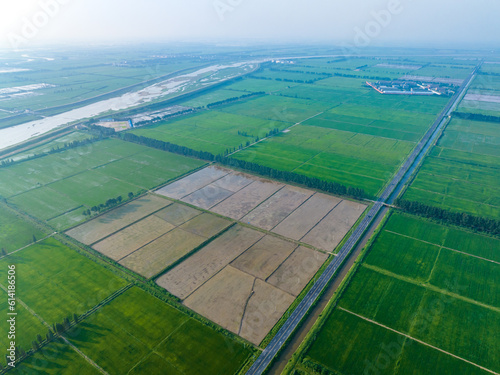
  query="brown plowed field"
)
[
  {"x": 332, "y": 229},
  {"x": 159, "y": 254},
  {"x": 223, "y": 298},
  {"x": 110, "y": 222},
  {"x": 240, "y": 203},
  {"x": 306, "y": 216},
  {"x": 207, "y": 197},
  {"x": 264, "y": 309},
  {"x": 206, "y": 225},
  {"x": 234, "y": 181},
  {"x": 263, "y": 258},
  {"x": 177, "y": 214},
  {"x": 193, "y": 182},
  {"x": 294, "y": 274},
  {"x": 278, "y": 207},
  {"x": 128, "y": 240},
  {"x": 186, "y": 277}
]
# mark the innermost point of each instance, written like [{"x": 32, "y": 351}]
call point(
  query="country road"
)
[{"x": 388, "y": 194}]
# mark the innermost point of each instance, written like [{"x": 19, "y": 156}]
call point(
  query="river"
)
[{"x": 176, "y": 85}]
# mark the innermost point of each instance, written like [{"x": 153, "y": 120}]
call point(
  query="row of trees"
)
[
  {"x": 53, "y": 150},
  {"x": 363, "y": 77},
  {"x": 300, "y": 71},
  {"x": 234, "y": 99},
  {"x": 286, "y": 176},
  {"x": 476, "y": 117},
  {"x": 108, "y": 204},
  {"x": 57, "y": 328},
  {"x": 102, "y": 131},
  {"x": 167, "y": 146},
  {"x": 289, "y": 80},
  {"x": 461, "y": 219},
  {"x": 311, "y": 182}
]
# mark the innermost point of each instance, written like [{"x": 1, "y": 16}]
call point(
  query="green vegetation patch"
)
[
  {"x": 16, "y": 232},
  {"x": 403, "y": 255},
  {"x": 59, "y": 187},
  {"x": 56, "y": 358},
  {"x": 137, "y": 331},
  {"x": 56, "y": 282}
]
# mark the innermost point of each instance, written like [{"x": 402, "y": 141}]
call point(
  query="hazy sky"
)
[{"x": 25, "y": 23}]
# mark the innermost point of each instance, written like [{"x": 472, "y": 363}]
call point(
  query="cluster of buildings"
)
[{"x": 405, "y": 87}]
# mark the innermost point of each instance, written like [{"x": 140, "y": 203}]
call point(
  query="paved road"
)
[{"x": 298, "y": 314}]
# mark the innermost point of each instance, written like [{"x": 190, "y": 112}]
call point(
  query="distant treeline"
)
[
  {"x": 53, "y": 150},
  {"x": 363, "y": 77},
  {"x": 101, "y": 130},
  {"x": 234, "y": 99},
  {"x": 300, "y": 71},
  {"x": 167, "y": 146},
  {"x": 286, "y": 79},
  {"x": 476, "y": 117},
  {"x": 489, "y": 73},
  {"x": 461, "y": 219},
  {"x": 311, "y": 182}
]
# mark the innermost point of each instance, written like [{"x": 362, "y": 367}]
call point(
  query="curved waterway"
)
[{"x": 176, "y": 85}]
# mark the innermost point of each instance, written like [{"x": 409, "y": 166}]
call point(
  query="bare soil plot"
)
[
  {"x": 205, "y": 225},
  {"x": 294, "y": 274},
  {"x": 304, "y": 218},
  {"x": 264, "y": 257},
  {"x": 177, "y": 214},
  {"x": 265, "y": 307},
  {"x": 159, "y": 254},
  {"x": 234, "y": 181},
  {"x": 186, "y": 277},
  {"x": 242, "y": 202},
  {"x": 193, "y": 182},
  {"x": 208, "y": 196},
  {"x": 223, "y": 298},
  {"x": 331, "y": 230},
  {"x": 104, "y": 225},
  {"x": 126, "y": 241},
  {"x": 271, "y": 212}
]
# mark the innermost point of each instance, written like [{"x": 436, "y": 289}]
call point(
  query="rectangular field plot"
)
[
  {"x": 113, "y": 221},
  {"x": 54, "y": 357},
  {"x": 149, "y": 234},
  {"x": 59, "y": 187},
  {"x": 462, "y": 171},
  {"x": 346, "y": 157},
  {"x": 16, "y": 232},
  {"x": 414, "y": 287},
  {"x": 243, "y": 280},
  {"x": 242, "y": 202},
  {"x": 185, "y": 278},
  {"x": 137, "y": 334},
  {"x": 53, "y": 272},
  {"x": 303, "y": 215},
  {"x": 374, "y": 349},
  {"x": 213, "y": 131}
]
